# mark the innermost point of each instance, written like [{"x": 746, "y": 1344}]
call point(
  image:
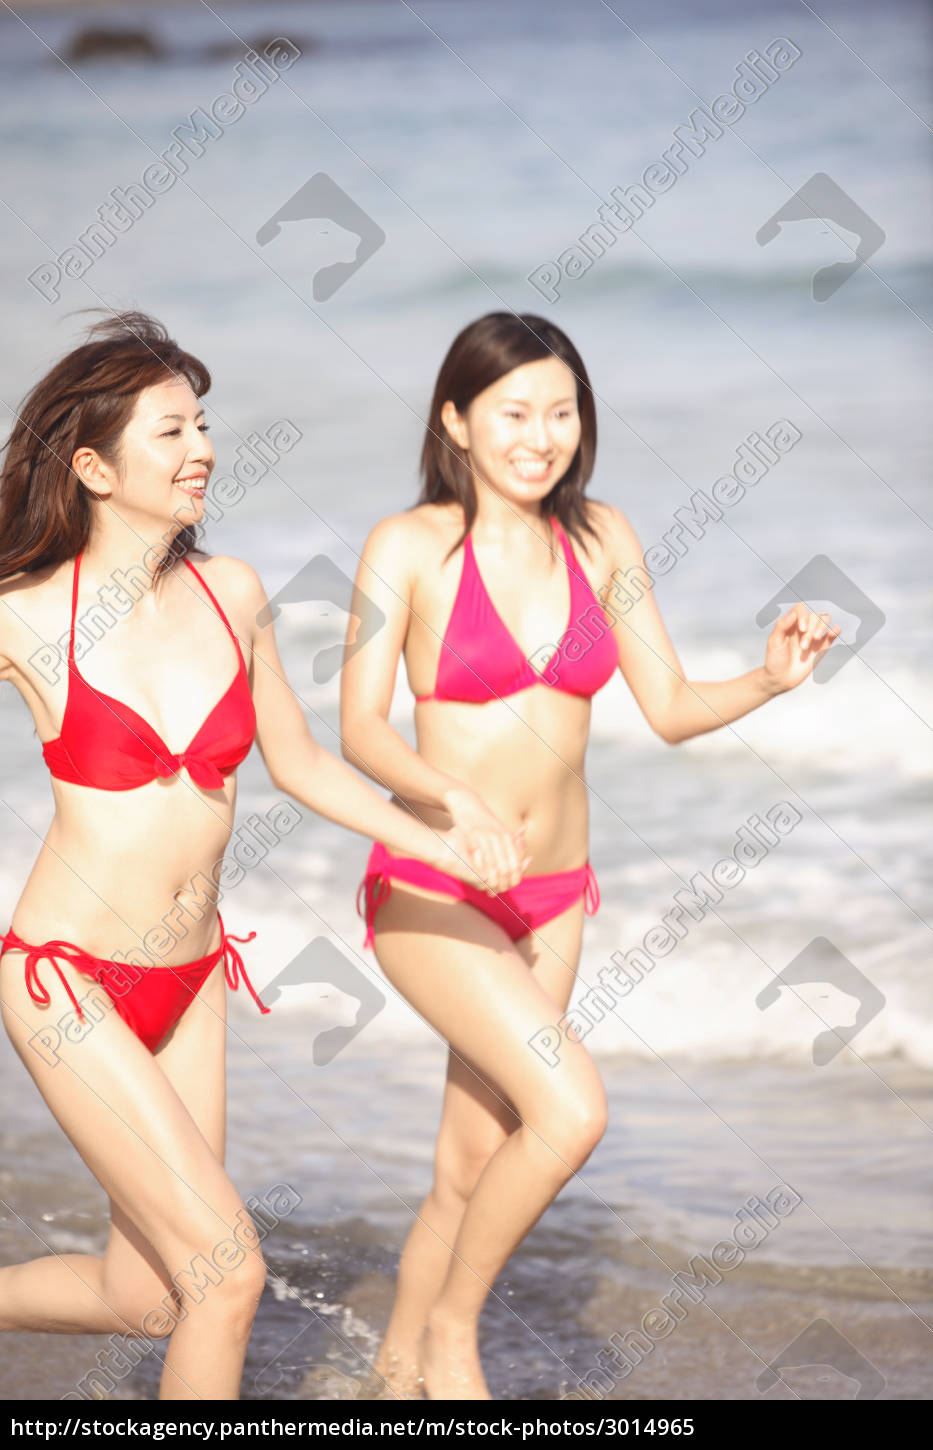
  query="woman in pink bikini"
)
[
  {"x": 489, "y": 587},
  {"x": 112, "y": 976}
]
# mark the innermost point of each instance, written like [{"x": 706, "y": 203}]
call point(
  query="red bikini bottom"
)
[
  {"x": 535, "y": 900},
  {"x": 149, "y": 999}
]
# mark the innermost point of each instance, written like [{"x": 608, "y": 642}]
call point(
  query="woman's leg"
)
[
  {"x": 492, "y": 1181},
  {"x": 183, "y": 1256},
  {"x": 474, "y": 1123}
]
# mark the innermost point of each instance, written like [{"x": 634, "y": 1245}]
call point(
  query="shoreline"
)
[{"x": 670, "y": 1182}]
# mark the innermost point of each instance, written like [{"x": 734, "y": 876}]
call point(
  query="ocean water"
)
[{"x": 481, "y": 141}]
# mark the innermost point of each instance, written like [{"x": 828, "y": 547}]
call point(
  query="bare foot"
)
[
  {"x": 450, "y": 1361},
  {"x": 393, "y": 1378}
]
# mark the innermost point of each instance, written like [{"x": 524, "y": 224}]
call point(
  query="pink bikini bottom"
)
[{"x": 534, "y": 901}]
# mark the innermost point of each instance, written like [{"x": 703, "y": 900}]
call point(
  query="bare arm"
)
[
  {"x": 385, "y": 582},
  {"x": 677, "y": 708},
  {"x": 314, "y": 776}
]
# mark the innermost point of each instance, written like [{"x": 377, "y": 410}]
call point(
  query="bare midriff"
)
[
  {"x": 523, "y": 755},
  {"x": 133, "y": 871}
]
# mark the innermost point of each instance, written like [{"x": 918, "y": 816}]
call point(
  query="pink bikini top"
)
[
  {"x": 480, "y": 660},
  {"x": 106, "y": 744}
]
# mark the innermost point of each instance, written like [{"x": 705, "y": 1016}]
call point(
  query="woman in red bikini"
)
[
  {"x": 505, "y": 642},
  {"x": 112, "y": 975}
]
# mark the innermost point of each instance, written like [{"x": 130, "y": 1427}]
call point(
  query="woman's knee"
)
[
  {"x": 232, "y": 1269},
  {"x": 459, "y": 1165},
  {"x": 244, "y": 1286},
  {"x": 574, "y": 1123},
  {"x": 224, "y": 1270},
  {"x": 226, "y": 1276}
]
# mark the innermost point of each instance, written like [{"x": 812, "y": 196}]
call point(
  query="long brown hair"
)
[
  {"x": 86, "y": 400},
  {"x": 482, "y": 353}
]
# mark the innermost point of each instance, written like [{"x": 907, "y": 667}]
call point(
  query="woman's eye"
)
[{"x": 204, "y": 427}]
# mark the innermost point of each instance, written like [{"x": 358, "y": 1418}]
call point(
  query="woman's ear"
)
[
  {"x": 93, "y": 472},
  {"x": 454, "y": 424}
]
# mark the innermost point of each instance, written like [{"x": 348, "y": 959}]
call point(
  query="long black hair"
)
[{"x": 482, "y": 353}]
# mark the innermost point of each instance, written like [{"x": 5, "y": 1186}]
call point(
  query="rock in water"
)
[{"x": 103, "y": 42}]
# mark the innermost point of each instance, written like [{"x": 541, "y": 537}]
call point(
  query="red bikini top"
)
[
  {"x": 480, "y": 659},
  {"x": 105, "y": 744}
]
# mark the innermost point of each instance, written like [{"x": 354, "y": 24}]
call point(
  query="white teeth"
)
[{"x": 530, "y": 471}]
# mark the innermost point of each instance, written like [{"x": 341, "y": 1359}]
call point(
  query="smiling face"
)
[
  {"x": 521, "y": 433},
  {"x": 163, "y": 463}
]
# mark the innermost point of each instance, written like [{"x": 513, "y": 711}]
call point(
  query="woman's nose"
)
[
  {"x": 202, "y": 448},
  {"x": 539, "y": 434}
]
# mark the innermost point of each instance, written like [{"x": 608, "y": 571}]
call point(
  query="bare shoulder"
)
[
  {"x": 414, "y": 537},
  {"x": 613, "y": 528},
  {"x": 233, "y": 578},
  {"x": 34, "y": 606}
]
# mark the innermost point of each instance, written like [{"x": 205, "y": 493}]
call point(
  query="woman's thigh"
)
[
  {"x": 193, "y": 1059},
  {"x": 144, "y": 1142},
  {"x": 475, "y": 1120},
  {"x": 462, "y": 973},
  {"x": 552, "y": 952}
]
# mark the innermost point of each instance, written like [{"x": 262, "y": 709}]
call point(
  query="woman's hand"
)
[
  {"x": 799, "y": 638},
  {"x": 486, "y": 848},
  {"x": 455, "y": 855}
]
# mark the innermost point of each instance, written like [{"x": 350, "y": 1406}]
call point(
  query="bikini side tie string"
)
[
  {"x": 591, "y": 892},
  {"x": 48, "y": 951},
  {"x": 234, "y": 970},
  {"x": 378, "y": 888}
]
